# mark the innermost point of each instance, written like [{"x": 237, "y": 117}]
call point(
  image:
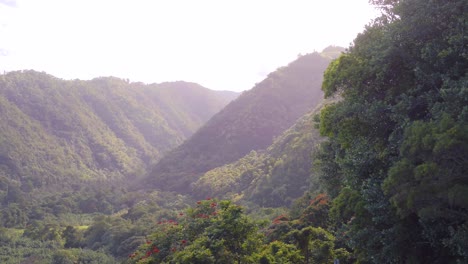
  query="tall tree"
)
[{"x": 398, "y": 140}]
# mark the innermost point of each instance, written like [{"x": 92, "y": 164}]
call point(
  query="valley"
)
[{"x": 355, "y": 155}]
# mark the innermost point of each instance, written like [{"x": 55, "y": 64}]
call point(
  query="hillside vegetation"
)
[
  {"x": 55, "y": 131},
  {"x": 396, "y": 160},
  {"x": 274, "y": 177}
]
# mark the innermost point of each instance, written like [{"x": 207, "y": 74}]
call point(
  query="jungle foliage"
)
[{"x": 396, "y": 159}]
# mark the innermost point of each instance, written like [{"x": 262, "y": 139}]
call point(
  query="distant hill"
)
[
  {"x": 186, "y": 106},
  {"x": 248, "y": 123},
  {"x": 57, "y": 131}
]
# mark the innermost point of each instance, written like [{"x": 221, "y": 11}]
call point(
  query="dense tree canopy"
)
[
  {"x": 215, "y": 231},
  {"x": 398, "y": 141}
]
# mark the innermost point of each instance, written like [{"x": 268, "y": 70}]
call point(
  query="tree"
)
[
  {"x": 395, "y": 162},
  {"x": 278, "y": 252},
  {"x": 211, "y": 232},
  {"x": 73, "y": 238},
  {"x": 315, "y": 243}
]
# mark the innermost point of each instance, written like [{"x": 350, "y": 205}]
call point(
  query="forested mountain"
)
[
  {"x": 248, "y": 123},
  {"x": 271, "y": 178},
  {"x": 52, "y": 130}
]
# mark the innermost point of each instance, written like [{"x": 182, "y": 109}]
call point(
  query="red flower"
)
[
  {"x": 209, "y": 198},
  {"x": 155, "y": 250},
  {"x": 181, "y": 214},
  {"x": 184, "y": 241},
  {"x": 174, "y": 249},
  {"x": 213, "y": 205},
  {"x": 198, "y": 202}
]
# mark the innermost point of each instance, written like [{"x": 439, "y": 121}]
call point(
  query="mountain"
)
[
  {"x": 58, "y": 131},
  {"x": 250, "y": 122},
  {"x": 271, "y": 178}
]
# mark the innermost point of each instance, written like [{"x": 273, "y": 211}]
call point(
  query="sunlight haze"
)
[{"x": 222, "y": 45}]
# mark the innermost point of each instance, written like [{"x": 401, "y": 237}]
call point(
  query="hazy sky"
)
[{"x": 220, "y": 44}]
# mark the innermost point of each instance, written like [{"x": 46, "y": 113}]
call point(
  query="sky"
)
[{"x": 220, "y": 44}]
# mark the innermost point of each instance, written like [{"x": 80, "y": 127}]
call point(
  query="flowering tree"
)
[{"x": 210, "y": 232}]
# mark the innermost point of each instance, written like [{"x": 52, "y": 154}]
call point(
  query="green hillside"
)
[
  {"x": 271, "y": 178},
  {"x": 56, "y": 131},
  {"x": 249, "y": 123}
]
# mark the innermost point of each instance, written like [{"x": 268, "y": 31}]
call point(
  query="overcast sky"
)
[{"x": 220, "y": 44}]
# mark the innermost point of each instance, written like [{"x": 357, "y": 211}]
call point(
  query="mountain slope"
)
[
  {"x": 52, "y": 130},
  {"x": 274, "y": 177},
  {"x": 248, "y": 123}
]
